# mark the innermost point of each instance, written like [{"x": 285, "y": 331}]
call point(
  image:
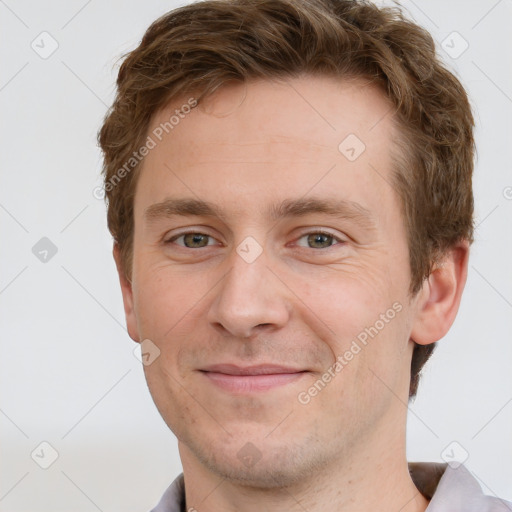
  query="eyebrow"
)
[{"x": 336, "y": 208}]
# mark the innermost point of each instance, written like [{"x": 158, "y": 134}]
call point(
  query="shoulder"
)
[
  {"x": 454, "y": 489},
  {"x": 173, "y": 499}
]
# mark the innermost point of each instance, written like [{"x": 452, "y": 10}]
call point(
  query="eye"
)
[
  {"x": 313, "y": 240},
  {"x": 192, "y": 240},
  {"x": 319, "y": 240}
]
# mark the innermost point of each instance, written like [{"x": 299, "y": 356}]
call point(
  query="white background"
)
[{"x": 68, "y": 373}]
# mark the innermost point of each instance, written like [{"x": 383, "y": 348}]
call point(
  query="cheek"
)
[
  {"x": 166, "y": 300},
  {"x": 367, "y": 324},
  {"x": 347, "y": 300},
  {"x": 370, "y": 365}
]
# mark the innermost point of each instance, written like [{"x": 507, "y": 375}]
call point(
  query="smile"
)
[{"x": 237, "y": 379}]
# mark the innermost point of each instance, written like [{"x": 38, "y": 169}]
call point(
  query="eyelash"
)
[{"x": 315, "y": 232}]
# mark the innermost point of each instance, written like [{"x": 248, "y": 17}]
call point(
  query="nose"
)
[{"x": 249, "y": 298}]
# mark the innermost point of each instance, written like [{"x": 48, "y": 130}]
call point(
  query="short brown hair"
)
[{"x": 199, "y": 47}]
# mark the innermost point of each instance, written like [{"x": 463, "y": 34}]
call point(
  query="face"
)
[{"x": 271, "y": 273}]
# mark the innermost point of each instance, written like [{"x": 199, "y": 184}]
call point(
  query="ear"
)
[
  {"x": 439, "y": 299},
  {"x": 126, "y": 290}
]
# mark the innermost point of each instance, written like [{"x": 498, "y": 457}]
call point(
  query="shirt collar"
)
[{"x": 449, "y": 489}]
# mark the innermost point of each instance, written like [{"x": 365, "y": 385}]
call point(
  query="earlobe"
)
[
  {"x": 439, "y": 299},
  {"x": 126, "y": 290}
]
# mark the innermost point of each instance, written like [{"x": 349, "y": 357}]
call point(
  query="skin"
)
[{"x": 297, "y": 304}]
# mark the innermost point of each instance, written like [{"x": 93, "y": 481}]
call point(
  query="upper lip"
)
[{"x": 260, "y": 369}]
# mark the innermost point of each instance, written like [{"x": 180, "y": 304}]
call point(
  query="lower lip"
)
[{"x": 251, "y": 383}]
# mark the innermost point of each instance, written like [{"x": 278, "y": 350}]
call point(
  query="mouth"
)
[{"x": 248, "y": 379}]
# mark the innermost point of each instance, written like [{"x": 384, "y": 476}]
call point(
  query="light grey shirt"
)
[{"x": 448, "y": 489}]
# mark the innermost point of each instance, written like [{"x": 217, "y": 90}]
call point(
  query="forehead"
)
[
  {"x": 265, "y": 137},
  {"x": 309, "y": 111}
]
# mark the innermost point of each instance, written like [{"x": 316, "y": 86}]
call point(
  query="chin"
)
[{"x": 266, "y": 466}]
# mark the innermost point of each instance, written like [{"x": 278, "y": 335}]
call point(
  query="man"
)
[{"x": 289, "y": 192}]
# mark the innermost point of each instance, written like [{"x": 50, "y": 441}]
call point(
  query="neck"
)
[{"x": 376, "y": 477}]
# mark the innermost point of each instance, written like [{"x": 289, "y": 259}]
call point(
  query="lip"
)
[{"x": 248, "y": 379}]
